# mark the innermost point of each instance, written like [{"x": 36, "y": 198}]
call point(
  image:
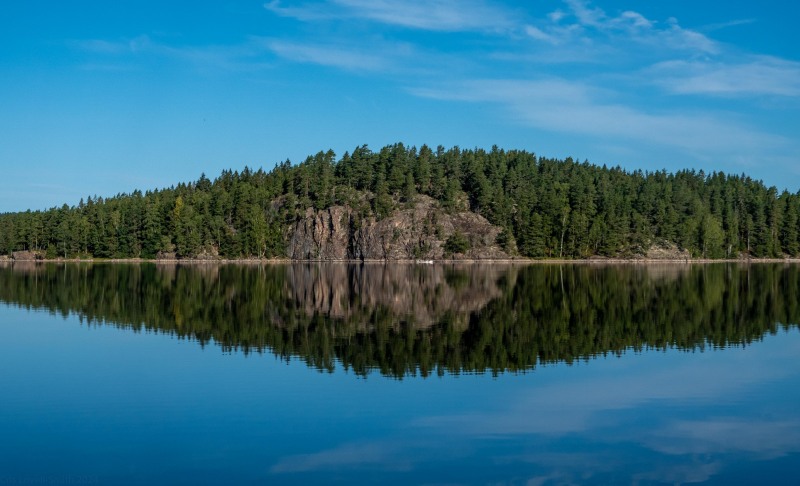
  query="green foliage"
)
[
  {"x": 506, "y": 241},
  {"x": 535, "y": 315},
  {"x": 456, "y": 243},
  {"x": 548, "y": 208}
]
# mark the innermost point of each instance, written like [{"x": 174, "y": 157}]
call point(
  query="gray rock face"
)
[
  {"x": 322, "y": 235},
  {"x": 665, "y": 250},
  {"x": 419, "y": 295},
  {"x": 27, "y": 255},
  {"x": 417, "y": 232}
]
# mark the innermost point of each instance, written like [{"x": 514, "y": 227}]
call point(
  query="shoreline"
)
[{"x": 504, "y": 261}]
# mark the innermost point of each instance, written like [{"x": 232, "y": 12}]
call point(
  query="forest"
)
[
  {"x": 546, "y": 208},
  {"x": 538, "y": 314}
]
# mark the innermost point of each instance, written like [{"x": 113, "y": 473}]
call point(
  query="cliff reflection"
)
[
  {"x": 420, "y": 319},
  {"x": 416, "y": 295}
]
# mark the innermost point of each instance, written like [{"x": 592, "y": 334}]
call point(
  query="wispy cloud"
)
[
  {"x": 345, "y": 456},
  {"x": 605, "y": 411},
  {"x": 688, "y": 472},
  {"x": 582, "y": 109},
  {"x": 244, "y": 56},
  {"x": 586, "y": 23},
  {"x": 608, "y": 77},
  {"x": 541, "y": 35},
  {"x": 433, "y": 15},
  {"x": 759, "y": 76},
  {"x": 441, "y": 15},
  {"x": 257, "y": 53},
  {"x": 679, "y": 38},
  {"x": 141, "y": 43},
  {"x": 582, "y": 467},
  {"x": 398, "y": 60},
  {"x": 305, "y": 13},
  {"x": 563, "y": 408},
  {"x": 102, "y": 46},
  {"x": 766, "y": 439},
  {"x": 587, "y": 15},
  {"x": 725, "y": 25},
  {"x": 340, "y": 57}
]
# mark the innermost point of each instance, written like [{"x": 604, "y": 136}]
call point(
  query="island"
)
[{"x": 422, "y": 204}]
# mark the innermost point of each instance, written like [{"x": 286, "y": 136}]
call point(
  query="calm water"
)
[{"x": 300, "y": 374}]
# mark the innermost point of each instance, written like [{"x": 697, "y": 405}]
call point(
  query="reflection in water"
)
[{"x": 420, "y": 319}]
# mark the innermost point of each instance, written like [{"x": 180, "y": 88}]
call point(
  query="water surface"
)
[{"x": 436, "y": 374}]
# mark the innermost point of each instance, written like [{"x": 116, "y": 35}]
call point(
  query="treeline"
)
[
  {"x": 547, "y": 208},
  {"x": 541, "y": 314}
]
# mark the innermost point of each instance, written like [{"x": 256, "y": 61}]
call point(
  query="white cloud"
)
[
  {"x": 636, "y": 19},
  {"x": 101, "y": 46},
  {"x": 307, "y": 13},
  {"x": 538, "y": 34},
  {"x": 725, "y": 25},
  {"x": 593, "y": 25},
  {"x": 339, "y": 57},
  {"x": 433, "y": 15},
  {"x": 245, "y": 56},
  {"x": 586, "y": 15},
  {"x": 574, "y": 107},
  {"x": 556, "y": 15},
  {"x": 444, "y": 15},
  {"x": 759, "y": 76},
  {"x": 580, "y": 41},
  {"x": 138, "y": 44},
  {"x": 679, "y": 38}
]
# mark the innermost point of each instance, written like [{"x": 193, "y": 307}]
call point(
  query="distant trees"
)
[
  {"x": 547, "y": 208},
  {"x": 539, "y": 313}
]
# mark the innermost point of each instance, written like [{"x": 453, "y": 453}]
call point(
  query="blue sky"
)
[{"x": 107, "y": 97}]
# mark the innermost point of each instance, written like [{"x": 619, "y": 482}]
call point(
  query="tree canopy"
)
[
  {"x": 422, "y": 319},
  {"x": 547, "y": 208}
]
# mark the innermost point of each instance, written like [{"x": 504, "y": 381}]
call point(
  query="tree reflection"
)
[{"x": 403, "y": 319}]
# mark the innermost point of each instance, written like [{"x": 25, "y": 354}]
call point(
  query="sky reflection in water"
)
[{"x": 132, "y": 407}]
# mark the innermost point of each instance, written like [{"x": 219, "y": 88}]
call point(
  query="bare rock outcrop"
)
[
  {"x": 665, "y": 250},
  {"x": 27, "y": 256},
  {"x": 322, "y": 235},
  {"x": 416, "y": 232}
]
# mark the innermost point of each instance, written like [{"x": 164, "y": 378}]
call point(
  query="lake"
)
[{"x": 399, "y": 373}]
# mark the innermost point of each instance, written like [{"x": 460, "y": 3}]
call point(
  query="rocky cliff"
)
[
  {"x": 416, "y": 232},
  {"x": 27, "y": 256},
  {"x": 419, "y": 295}
]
